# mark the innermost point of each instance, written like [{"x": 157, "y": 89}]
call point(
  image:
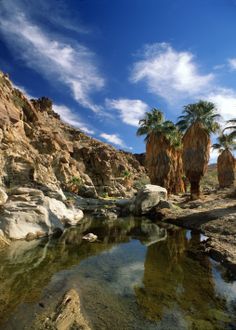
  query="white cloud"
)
[
  {"x": 131, "y": 111},
  {"x": 71, "y": 118},
  {"x": 225, "y": 101},
  {"x": 170, "y": 74},
  {"x": 219, "y": 67},
  {"x": 113, "y": 138},
  {"x": 71, "y": 64},
  {"x": 232, "y": 63}
]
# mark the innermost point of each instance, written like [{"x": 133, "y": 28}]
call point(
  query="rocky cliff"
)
[{"x": 38, "y": 150}]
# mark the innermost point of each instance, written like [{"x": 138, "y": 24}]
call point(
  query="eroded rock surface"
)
[
  {"x": 37, "y": 147},
  {"x": 29, "y": 214}
]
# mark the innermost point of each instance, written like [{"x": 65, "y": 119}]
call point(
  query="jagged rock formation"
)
[{"x": 37, "y": 149}]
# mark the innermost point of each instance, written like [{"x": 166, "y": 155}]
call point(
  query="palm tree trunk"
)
[
  {"x": 195, "y": 189},
  {"x": 225, "y": 169}
]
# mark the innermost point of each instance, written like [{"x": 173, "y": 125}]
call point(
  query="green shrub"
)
[
  {"x": 75, "y": 180},
  {"x": 126, "y": 174}
]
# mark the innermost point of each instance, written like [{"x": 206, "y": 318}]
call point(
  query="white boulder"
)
[
  {"x": 28, "y": 211},
  {"x": 148, "y": 197}
]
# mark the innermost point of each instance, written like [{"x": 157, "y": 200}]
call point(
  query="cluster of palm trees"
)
[{"x": 179, "y": 152}]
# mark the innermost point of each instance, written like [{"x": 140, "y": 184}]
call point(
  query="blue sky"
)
[{"x": 105, "y": 62}]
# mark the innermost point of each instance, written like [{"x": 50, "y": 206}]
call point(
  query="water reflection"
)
[
  {"x": 133, "y": 262},
  {"x": 27, "y": 267},
  {"x": 178, "y": 279}
]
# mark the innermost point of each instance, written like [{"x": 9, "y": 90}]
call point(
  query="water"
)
[{"x": 138, "y": 276}]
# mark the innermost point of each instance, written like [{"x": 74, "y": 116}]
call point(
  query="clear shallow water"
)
[{"x": 138, "y": 276}]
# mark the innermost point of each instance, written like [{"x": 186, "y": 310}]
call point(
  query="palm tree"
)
[
  {"x": 197, "y": 122},
  {"x": 163, "y": 151},
  {"x": 225, "y": 160},
  {"x": 232, "y": 122}
]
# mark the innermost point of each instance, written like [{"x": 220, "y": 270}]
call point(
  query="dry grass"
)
[{"x": 210, "y": 180}]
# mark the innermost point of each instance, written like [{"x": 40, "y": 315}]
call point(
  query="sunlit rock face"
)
[
  {"x": 29, "y": 214},
  {"x": 148, "y": 197},
  {"x": 36, "y": 147}
]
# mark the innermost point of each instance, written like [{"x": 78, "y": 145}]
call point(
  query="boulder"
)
[
  {"x": 29, "y": 212},
  {"x": 148, "y": 197},
  {"x": 90, "y": 237},
  {"x": 67, "y": 216},
  {"x": 3, "y": 197}
]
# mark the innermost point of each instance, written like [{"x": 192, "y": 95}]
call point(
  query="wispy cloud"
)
[
  {"x": 130, "y": 111},
  {"x": 170, "y": 74},
  {"x": 219, "y": 67},
  {"x": 71, "y": 64},
  {"x": 71, "y": 118},
  {"x": 232, "y": 63},
  {"x": 114, "y": 139}
]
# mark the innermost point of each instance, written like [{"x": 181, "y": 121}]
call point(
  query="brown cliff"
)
[{"x": 38, "y": 149}]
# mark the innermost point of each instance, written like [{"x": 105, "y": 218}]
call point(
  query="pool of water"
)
[{"x": 137, "y": 276}]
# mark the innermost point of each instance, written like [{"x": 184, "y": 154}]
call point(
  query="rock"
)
[
  {"x": 68, "y": 315},
  {"x": 102, "y": 213},
  {"x": 3, "y": 197},
  {"x": 88, "y": 191},
  {"x": 3, "y": 240},
  {"x": 57, "y": 232},
  {"x": 164, "y": 205},
  {"x": 56, "y": 194},
  {"x": 90, "y": 237},
  {"x": 29, "y": 214},
  {"x": 148, "y": 197},
  {"x": 67, "y": 216},
  {"x": 30, "y": 237}
]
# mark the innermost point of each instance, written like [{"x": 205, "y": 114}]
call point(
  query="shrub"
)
[{"x": 126, "y": 174}]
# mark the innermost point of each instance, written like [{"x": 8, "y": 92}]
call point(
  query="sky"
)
[{"x": 104, "y": 63}]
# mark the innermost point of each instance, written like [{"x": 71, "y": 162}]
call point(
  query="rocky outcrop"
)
[
  {"x": 29, "y": 214},
  {"x": 37, "y": 148}
]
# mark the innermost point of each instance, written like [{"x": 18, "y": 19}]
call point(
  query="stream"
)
[{"x": 138, "y": 275}]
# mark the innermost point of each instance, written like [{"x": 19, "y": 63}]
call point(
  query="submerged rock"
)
[
  {"x": 67, "y": 315},
  {"x": 90, "y": 237}
]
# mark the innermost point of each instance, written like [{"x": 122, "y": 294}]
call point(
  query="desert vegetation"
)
[
  {"x": 225, "y": 161},
  {"x": 179, "y": 153},
  {"x": 163, "y": 151}
]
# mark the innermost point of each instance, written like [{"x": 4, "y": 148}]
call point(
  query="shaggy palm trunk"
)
[
  {"x": 196, "y": 153},
  {"x": 164, "y": 164},
  {"x": 225, "y": 169},
  {"x": 177, "y": 183}
]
